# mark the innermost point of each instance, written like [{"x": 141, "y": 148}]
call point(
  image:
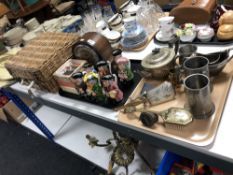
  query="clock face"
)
[{"x": 86, "y": 52}]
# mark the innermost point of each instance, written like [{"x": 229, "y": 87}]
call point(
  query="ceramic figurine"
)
[
  {"x": 123, "y": 67},
  {"x": 103, "y": 68},
  {"x": 80, "y": 86},
  {"x": 94, "y": 90},
  {"x": 111, "y": 88},
  {"x": 87, "y": 70}
]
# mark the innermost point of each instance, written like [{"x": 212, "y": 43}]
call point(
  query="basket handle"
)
[{"x": 29, "y": 88}]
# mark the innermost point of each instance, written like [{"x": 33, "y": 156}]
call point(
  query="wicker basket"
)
[
  {"x": 50, "y": 85},
  {"x": 42, "y": 57}
]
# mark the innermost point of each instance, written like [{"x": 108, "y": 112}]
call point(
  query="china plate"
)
[
  {"x": 133, "y": 45},
  {"x": 134, "y": 33},
  {"x": 113, "y": 35}
]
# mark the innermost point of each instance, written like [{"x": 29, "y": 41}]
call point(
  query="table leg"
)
[{"x": 28, "y": 112}]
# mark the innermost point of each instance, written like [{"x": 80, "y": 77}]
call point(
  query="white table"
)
[
  {"x": 219, "y": 154},
  {"x": 70, "y": 132}
]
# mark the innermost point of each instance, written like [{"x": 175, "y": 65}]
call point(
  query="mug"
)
[
  {"x": 166, "y": 21},
  {"x": 198, "y": 96},
  {"x": 196, "y": 64},
  {"x": 115, "y": 20},
  {"x": 186, "y": 52},
  {"x": 166, "y": 25}
]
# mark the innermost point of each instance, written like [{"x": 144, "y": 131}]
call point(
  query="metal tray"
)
[{"x": 199, "y": 132}]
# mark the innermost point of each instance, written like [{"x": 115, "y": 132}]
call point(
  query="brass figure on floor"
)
[{"x": 123, "y": 150}]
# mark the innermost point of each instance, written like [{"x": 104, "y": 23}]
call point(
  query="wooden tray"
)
[
  {"x": 138, "y": 49},
  {"x": 199, "y": 132}
]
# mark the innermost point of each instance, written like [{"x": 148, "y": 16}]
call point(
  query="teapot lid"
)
[{"x": 158, "y": 58}]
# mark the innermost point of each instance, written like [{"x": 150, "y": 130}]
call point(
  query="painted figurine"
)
[
  {"x": 123, "y": 67},
  {"x": 80, "y": 86},
  {"x": 94, "y": 89},
  {"x": 87, "y": 68},
  {"x": 88, "y": 71},
  {"x": 111, "y": 88},
  {"x": 103, "y": 68}
]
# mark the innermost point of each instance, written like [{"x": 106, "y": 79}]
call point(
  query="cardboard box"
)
[
  {"x": 64, "y": 73},
  {"x": 14, "y": 113},
  {"x": 3, "y": 115}
]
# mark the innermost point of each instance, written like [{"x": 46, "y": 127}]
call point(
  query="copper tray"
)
[{"x": 199, "y": 132}]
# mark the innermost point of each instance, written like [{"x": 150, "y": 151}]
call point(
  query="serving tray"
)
[
  {"x": 199, "y": 132},
  {"x": 213, "y": 41},
  {"x": 126, "y": 90}
]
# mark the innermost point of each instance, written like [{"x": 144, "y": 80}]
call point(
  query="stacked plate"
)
[
  {"x": 32, "y": 24},
  {"x": 134, "y": 39},
  {"x": 14, "y": 36},
  {"x": 114, "y": 38}
]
